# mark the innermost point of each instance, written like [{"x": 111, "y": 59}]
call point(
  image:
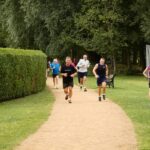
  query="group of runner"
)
[{"x": 69, "y": 70}]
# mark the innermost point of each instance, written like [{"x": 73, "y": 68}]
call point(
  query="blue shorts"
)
[
  {"x": 82, "y": 74},
  {"x": 101, "y": 80}
]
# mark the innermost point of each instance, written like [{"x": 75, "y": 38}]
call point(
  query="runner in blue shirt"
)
[{"x": 55, "y": 66}]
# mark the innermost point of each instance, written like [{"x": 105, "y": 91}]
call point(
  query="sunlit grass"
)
[
  {"x": 131, "y": 93},
  {"x": 21, "y": 117}
]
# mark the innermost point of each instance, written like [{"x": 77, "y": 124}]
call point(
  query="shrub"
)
[{"x": 22, "y": 72}]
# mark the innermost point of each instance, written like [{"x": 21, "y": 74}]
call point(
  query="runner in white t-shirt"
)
[{"x": 83, "y": 66}]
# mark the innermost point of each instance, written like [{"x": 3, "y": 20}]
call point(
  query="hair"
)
[
  {"x": 55, "y": 59},
  {"x": 102, "y": 58},
  {"x": 68, "y": 57},
  {"x": 85, "y": 55}
]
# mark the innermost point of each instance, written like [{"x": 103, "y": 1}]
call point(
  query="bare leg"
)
[
  {"x": 99, "y": 91},
  {"x": 149, "y": 86},
  {"x": 78, "y": 79},
  {"x": 81, "y": 83},
  {"x": 84, "y": 83},
  {"x": 70, "y": 94},
  {"x": 56, "y": 81},
  {"x": 104, "y": 87},
  {"x": 66, "y": 91},
  {"x": 104, "y": 90}
]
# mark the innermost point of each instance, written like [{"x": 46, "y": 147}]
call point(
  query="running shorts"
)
[
  {"x": 82, "y": 74},
  {"x": 68, "y": 84},
  {"x": 101, "y": 80},
  {"x": 54, "y": 75}
]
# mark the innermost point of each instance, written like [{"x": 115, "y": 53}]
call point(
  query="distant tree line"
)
[{"x": 118, "y": 29}]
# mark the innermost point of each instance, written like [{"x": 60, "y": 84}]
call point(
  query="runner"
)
[
  {"x": 83, "y": 66},
  {"x": 68, "y": 72},
  {"x": 146, "y": 73},
  {"x": 101, "y": 73},
  {"x": 55, "y": 66}
]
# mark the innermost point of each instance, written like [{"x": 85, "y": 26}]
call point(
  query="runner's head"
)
[
  {"x": 85, "y": 57},
  {"x": 68, "y": 61},
  {"x": 102, "y": 61},
  {"x": 55, "y": 61}
]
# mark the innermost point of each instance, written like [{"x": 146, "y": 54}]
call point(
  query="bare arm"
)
[
  {"x": 94, "y": 71},
  {"x": 64, "y": 74},
  {"x": 107, "y": 71},
  {"x": 76, "y": 68},
  {"x": 74, "y": 74},
  {"x": 145, "y": 72},
  {"x": 88, "y": 64}
]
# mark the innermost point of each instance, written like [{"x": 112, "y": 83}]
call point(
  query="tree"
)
[
  {"x": 3, "y": 33},
  {"x": 40, "y": 24},
  {"x": 98, "y": 27},
  {"x": 116, "y": 28}
]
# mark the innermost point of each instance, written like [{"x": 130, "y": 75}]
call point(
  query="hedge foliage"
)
[{"x": 22, "y": 72}]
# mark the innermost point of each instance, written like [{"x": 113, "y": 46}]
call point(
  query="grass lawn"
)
[
  {"x": 131, "y": 93},
  {"x": 21, "y": 117}
]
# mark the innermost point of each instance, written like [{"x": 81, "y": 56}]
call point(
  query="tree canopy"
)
[{"x": 115, "y": 27}]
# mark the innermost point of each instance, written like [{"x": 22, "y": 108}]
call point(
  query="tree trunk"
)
[
  {"x": 128, "y": 61},
  {"x": 142, "y": 58},
  {"x": 135, "y": 54},
  {"x": 114, "y": 64}
]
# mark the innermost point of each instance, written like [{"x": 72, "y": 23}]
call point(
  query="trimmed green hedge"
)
[{"x": 22, "y": 72}]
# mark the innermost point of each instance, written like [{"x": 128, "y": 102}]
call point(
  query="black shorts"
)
[
  {"x": 100, "y": 81},
  {"x": 54, "y": 75},
  {"x": 82, "y": 74},
  {"x": 68, "y": 84}
]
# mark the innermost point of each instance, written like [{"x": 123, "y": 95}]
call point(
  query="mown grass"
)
[
  {"x": 21, "y": 117},
  {"x": 131, "y": 93}
]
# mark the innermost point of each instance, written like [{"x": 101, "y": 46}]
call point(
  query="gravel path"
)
[{"x": 86, "y": 124}]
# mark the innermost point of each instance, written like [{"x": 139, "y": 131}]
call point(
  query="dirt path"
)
[{"x": 86, "y": 124}]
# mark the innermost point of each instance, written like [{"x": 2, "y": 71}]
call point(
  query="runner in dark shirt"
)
[
  {"x": 68, "y": 72},
  {"x": 101, "y": 72}
]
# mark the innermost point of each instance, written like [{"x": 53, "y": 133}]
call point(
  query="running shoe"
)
[
  {"x": 104, "y": 97},
  {"x": 85, "y": 90},
  {"x": 69, "y": 101},
  {"x": 66, "y": 97},
  {"x": 99, "y": 98}
]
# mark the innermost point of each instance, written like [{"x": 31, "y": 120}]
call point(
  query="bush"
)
[{"x": 22, "y": 72}]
